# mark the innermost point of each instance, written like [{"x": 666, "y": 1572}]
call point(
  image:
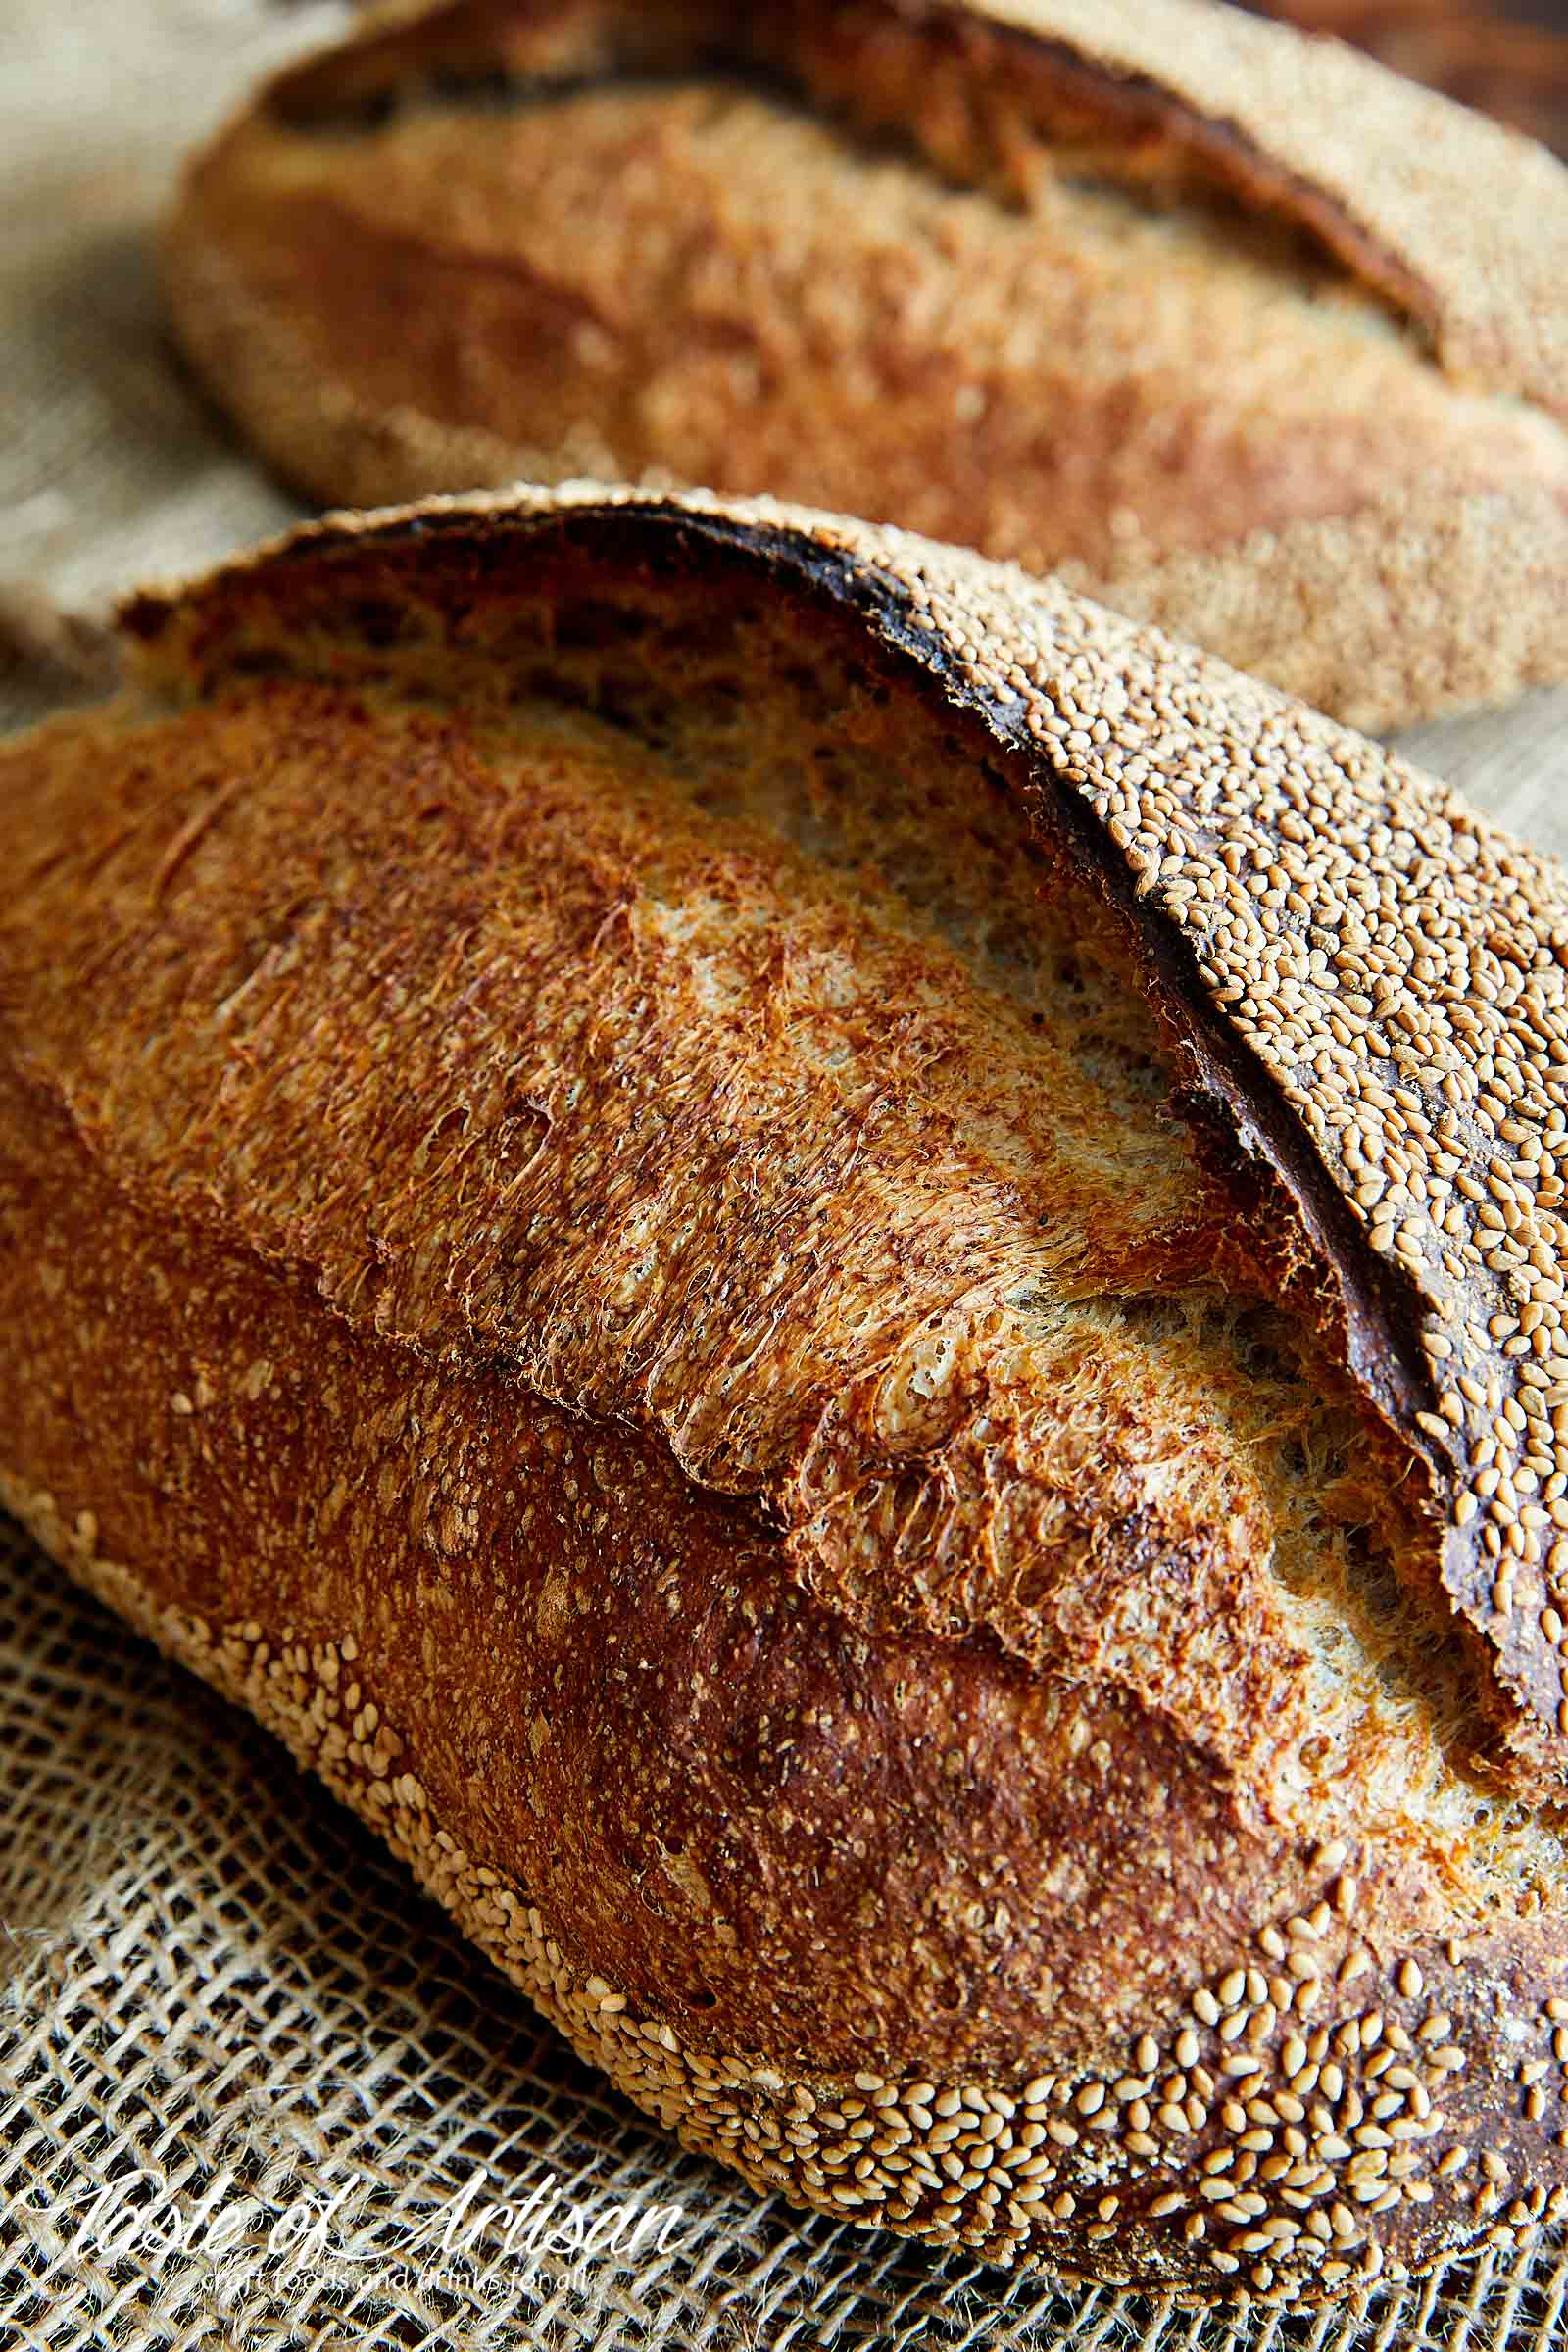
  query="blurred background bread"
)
[{"x": 1243, "y": 332}]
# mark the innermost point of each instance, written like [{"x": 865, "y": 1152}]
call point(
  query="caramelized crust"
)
[
  {"x": 1246, "y": 334},
  {"x": 657, "y": 1188}
]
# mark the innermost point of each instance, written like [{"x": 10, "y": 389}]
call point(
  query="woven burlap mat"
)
[{"x": 252, "y": 2091}]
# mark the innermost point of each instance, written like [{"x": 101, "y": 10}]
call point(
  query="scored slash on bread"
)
[
  {"x": 846, "y": 1284},
  {"x": 1253, "y": 338}
]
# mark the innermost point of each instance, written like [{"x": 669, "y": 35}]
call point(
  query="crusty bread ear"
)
[
  {"x": 845, "y": 1284},
  {"x": 1252, "y": 338}
]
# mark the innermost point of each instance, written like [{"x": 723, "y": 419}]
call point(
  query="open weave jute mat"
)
[{"x": 254, "y": 2092}]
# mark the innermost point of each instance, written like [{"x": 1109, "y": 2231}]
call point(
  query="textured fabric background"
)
[{"x": 252, "y": 2091}]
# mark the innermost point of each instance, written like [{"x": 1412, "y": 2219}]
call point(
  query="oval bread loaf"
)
[
  {"x": 1253, "y": 338},
  {"x": 847, "y": 1286}
]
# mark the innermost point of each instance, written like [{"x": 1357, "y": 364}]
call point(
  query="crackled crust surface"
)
[
  {"x": 688, "y": 1404},
  {"x": 1408, "y": 1016},
  {"x": 1188, "y": 314}
]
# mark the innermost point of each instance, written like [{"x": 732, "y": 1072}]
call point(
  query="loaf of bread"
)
[
  {"x": 847, "y": 1286},
  {"x": 1243, "y": 332}
]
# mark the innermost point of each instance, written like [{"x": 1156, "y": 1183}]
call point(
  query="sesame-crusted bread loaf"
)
[
  {"x": 846, "y": 1284},
  {"x": 1244, "y": 332}
]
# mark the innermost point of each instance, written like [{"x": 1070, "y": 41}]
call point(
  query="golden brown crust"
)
[
  {"x": 1127, "y": 295},
  {"x": 347, "y": 1088}
]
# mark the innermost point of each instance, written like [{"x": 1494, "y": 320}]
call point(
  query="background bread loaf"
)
[
  {"x": 845, "y": 1285},
  {"x": 1253, "y": 337}
]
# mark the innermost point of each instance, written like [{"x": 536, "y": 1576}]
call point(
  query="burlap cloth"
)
[{"x": 252, "y": 2091}]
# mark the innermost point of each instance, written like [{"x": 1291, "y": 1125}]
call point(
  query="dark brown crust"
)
[
  {"x": 206, "y": 1397},
  {"x": 453, "y": 352}
]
